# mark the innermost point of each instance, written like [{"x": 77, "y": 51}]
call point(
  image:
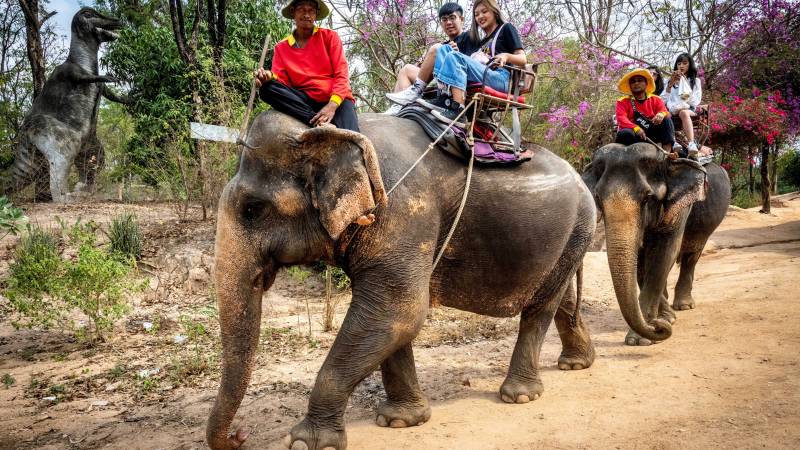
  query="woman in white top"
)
[{"x": 683, "y": 94}]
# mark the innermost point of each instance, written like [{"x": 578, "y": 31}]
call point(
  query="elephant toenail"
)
[
  {"x": 577, "y": 366},
  {"x": 523, "y": 399},
  {"x": 536, "y": 396},
  {"x": 299, "y": 445},
  {"x": 329, "y": 448},
  {"x": 398, "y": 423},
  {"x": 287, "y": 441},
  {"x": 506, "y": 398},
  {"x": 381, "y": 421},
  {"x": 563, "y": 366}
]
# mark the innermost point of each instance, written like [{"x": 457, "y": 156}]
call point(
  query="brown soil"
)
[{"x": 728, "y": 378}]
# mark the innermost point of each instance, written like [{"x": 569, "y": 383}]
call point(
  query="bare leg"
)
[
  {"x": 577, "y": 351},
  {"x": 686, "y": 123},
  {"x": 406, "y": 77},
  {"x": 458, "y": 95},
  {"x": 426, "y": 68}
]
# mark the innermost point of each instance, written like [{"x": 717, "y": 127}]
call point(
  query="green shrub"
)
[
  {"x": 789, "y": 170},
  {"x": 744, "y": 199},
  {"x": 11, "y": 218},
  {"x": 125, "y": 236},
  {"x": 45, "y": 288}
]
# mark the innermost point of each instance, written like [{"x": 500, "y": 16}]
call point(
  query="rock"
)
[
  {"x": 98, "y": 403},
  {"x": 197, "y": 280},
  {"x": 113, "y": 386},
  {"x": 179, "y": 339}
]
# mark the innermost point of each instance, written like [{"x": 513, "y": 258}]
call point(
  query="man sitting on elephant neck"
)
[
  {"x": 300, "y": 83},
  {"x": 642, "y": 115}
]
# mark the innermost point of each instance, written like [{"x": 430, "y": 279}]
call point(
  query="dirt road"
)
[{"x": 728, "y": 378}]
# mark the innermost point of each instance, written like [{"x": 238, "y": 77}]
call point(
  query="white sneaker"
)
[
  {"x": 692, "y": 150},
  {"x": 393, "y": 110},
  {"x": 405, "y": 96}
]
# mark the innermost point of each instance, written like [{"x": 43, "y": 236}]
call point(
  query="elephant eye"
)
[{"x": 252, "y": 210}]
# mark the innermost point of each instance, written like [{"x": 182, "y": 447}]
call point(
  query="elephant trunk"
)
[
  {"x": 240, "y": 284},
  {"x": 623, "y": 233}
]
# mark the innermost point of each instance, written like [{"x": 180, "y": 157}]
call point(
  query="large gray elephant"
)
[
  {"x": 656, "y": 212},
  {"x": 520, "y": 240}
]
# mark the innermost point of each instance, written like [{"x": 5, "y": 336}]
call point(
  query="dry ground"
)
[{"x": 728, "y": 378}]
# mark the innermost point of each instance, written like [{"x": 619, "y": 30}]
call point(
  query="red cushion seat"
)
[{"x": 477, "y": 87}]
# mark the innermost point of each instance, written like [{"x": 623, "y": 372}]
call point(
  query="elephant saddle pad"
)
[{"x": 454, "y": 140}]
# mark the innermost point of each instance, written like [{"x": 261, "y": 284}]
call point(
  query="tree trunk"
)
[
  {"x": 33, "y": 27},
  {"x": 773, "y": 170},
  {"x": 765, "y": 179},
  {"x": 750, "y": 180}
]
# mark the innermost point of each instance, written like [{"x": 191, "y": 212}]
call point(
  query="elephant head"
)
[
  {"x": 642, "y": 195},
  {"x": 295, "y": 192}
]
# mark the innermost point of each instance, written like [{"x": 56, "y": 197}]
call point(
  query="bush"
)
[
  {"x": 125, "y": 236},
  {"x": 11, "y": 218},
  {"x": 45, "y": 288},
  {"x": 789, "y": 169}
]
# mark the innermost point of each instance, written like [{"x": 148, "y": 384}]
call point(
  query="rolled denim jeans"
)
[{"x": 456, "y": 69}]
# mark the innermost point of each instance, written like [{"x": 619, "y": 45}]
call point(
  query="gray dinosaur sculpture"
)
[{"x": 62, "y": 121}]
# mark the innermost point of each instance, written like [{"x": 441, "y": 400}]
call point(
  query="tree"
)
[{"x": 35, "y": 17}]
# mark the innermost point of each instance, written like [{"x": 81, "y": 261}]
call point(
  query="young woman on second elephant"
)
[
  {"x": 500, "y": 45},
  {"x": 300, "y": 83},
  {"x": 684, "y": 104}
]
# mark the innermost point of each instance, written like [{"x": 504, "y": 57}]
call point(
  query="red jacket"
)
[
  {"x": 319, "y": 69},
  {"x": 651, "y": 106}
]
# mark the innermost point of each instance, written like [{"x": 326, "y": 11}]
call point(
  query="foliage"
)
[
  {"x": 125, "y": 236},
  {"x": 159, "y": 150},
  {"x": 767, "y": 35},
  {"x": 789, "y": 169},
  {"x": 755, "y": 120},
  {"x": 47, "y": 285},
  {"x": 8, "y": 380},
  {"x": 11, "y": 218}
]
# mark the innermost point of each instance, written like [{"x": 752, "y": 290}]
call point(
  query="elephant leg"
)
[
  {"x": 577, "y": 351},
  {"x": 405, "y": 403},
  {"x": 664, "y": 310},
  {"x": 683, "y": 289},
  {"x": 523, "y": 384},
  {"x": 380, "y": 322}
]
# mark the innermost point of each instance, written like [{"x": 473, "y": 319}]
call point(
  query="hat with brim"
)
[
  {"x": 322, "y": 9},
  {"x": 624, "y": 84}
]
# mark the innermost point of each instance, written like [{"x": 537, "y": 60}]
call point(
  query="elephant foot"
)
[
  {"x": 397, "y": 415},
  {"x": 668, "y": 314},
  {"x": 305, "y": 436},
  {"x": 517, "y": 391},
  {"x": 634, "y": 339},
  {"x": 683, "y": 303},
  {"x": 576, "y": 359}
]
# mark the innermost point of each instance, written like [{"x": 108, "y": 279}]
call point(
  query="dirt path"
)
[{"x": 728, "y": 378}]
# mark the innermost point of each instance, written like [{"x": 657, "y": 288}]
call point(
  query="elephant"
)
[
  {"x": 657, "y": 212},
  {"x": 519, "y": 242}
]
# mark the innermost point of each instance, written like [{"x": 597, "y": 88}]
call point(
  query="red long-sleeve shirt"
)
[
  {"x": 651, "y": 106},
  {"x": 319, "y": 69}
]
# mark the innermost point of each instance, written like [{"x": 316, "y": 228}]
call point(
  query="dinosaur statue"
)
[{"x": 62, "y": 121}]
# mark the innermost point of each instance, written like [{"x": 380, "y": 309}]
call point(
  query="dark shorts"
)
[
  {"x": 663, "y": 133},
  {"x": 299, "y": 105}
]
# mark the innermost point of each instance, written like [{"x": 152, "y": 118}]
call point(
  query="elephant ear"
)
[
  {"x": 685, "y": 186},
  {"x": 343, "y": 176},
  {"x": 589, "y": 177}
]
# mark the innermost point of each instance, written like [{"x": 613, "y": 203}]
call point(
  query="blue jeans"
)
[{"x": 455, "y": 69}]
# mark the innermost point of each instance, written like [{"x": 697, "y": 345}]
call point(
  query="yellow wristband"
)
[
  {"x": 636, "y": 129},
  {"x": 336, "y": 99}
]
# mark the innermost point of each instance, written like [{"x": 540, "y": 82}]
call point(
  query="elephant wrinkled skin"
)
[
  {"x": 656, "y": 212},
  {"x": 521, "y": 238}
]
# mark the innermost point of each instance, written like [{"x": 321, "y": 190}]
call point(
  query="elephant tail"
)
[{"x": 578, "y": 293}]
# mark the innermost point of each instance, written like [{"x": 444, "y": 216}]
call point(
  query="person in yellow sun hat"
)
[{"x": 641, "y": 114}]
